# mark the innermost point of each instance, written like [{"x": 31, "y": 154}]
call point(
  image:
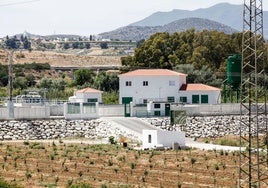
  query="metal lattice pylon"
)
[{"x": 253, "y": 125}]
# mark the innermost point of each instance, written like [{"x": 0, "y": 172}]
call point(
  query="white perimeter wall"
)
[{"x": 34, "y": 112}]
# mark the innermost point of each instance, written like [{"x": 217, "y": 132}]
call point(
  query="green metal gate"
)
[{"x": 126, "y": 101}]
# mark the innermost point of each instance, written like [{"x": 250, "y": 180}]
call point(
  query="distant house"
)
[
  {"x": 84, "y": 104},
  {"x": 161, "y": 85},
  {"x": 87, "y": 95}
]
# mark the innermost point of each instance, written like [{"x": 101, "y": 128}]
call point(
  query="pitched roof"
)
[
  {"x": 153, "y": 72},
  {"x": 89, "y": 90},
  {"x": 198, "y": 87}
]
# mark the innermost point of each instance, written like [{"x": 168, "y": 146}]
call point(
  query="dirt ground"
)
[
  {"x": 78, "y": 58},
  {"x": 60, "y": 163}
]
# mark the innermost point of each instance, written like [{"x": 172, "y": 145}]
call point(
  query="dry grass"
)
[{"x": 79, "y": 58}]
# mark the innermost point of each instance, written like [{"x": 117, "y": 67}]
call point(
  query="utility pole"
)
[
  {"x": 253, "y": 168},
  {"x": 10, "y": 104}
]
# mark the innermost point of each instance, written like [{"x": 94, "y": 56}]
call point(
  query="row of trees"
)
[
  {"x": 15, "y": 43},
  {"x": 82, "y": 45},
  {"x": 164, "y": 50}
]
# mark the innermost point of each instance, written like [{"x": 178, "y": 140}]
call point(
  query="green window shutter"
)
[
  {"x": 157, "y": 105},
  {"x": 92, "y": 100},
  {"x": 195, "y": 99},
  {"x": 171, "y": 99},
  {"x": 157, "y": 113},
  {"x": 183, "y": 99},
  {"x": 204, "y": 99}
]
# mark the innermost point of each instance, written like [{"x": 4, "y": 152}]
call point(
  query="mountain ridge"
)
[
  {"x": 136, "y": 33},
  {"x": 224, "y": 13}
]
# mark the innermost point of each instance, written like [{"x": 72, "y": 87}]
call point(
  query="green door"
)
[
  {"x": 167, "y": 109},
  {"x": 195, "y": 99},
  {"x": 126, "y": 101}
]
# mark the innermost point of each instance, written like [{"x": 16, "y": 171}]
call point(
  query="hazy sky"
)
[{"x": 85, "y": 17}]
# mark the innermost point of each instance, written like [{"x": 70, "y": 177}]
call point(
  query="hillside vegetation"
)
[{"x": 137, "y": 33}]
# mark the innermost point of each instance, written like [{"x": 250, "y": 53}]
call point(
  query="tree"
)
[
  {"x": 12, "y": 43},
  {"x": 20, "y": 83},
  {"x": 45, "y": 83},
  {"x": 83, "y": 76},
  {"x": 30, "y": 80},
  {"x": 66, "y": 46},
  {"x": 3, "y": 75},
  {"x": 104, "y": 45},
  {"x": 203, "y": 75},
  {"x": 26, "y": 43},
  {"x": 87, "y": 45},
  {"x": 107, "y": 82}
]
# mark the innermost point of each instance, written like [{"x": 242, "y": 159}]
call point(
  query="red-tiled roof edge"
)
[
  {"x": 139, "y": 70},
  {"x": 185, "y": 87},
  {"x": 91, "y": 90}
]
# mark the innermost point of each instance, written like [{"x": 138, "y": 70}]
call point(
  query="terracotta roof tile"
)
[
  {"x": 89, "y": 90},
  {"x": 198, "y": 87},
  {"x": 153, "y": 72}
]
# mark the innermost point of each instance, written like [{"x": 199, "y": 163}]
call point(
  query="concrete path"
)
[{"x": 189, "y": 142}]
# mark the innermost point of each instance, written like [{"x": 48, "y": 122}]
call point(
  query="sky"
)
[{"x": 86, "y": 17}]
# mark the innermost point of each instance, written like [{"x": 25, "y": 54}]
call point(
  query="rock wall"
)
[
  {"x": 54, "y": 129},
  {"x": 207, "y": 126}
]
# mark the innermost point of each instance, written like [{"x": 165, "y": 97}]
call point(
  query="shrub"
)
[
  {"x": 112, "y": 140},
  {"x": 216, "y": 166},
  {"x": 132, "y": 165}
]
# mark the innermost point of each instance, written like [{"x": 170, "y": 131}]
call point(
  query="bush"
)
[{"x": 112, "y": 140}]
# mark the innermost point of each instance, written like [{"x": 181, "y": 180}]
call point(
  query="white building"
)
[
  {"x": 162, "y": 85},
  {"x": 83, "y": 105},
  {"x": 87, "y": 95},
  {"x": 160, "y": 138}
]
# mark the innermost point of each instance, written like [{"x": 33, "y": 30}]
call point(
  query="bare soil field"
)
[
  {"x": 78, "y": 58},
  {"x": 60, "y": 164}
]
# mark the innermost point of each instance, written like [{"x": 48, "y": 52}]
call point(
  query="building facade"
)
[{"x": 161, "y": 85}]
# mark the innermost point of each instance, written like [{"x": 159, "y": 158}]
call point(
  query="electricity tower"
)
[{"x": 253, "y": 168}]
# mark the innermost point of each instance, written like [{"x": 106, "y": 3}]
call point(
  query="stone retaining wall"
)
[
  {"x": 207, "y": 126},
  {"x": 55, "y": 129}
]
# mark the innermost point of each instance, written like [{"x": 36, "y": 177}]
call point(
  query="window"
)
[
  {"x": 145, "y": 83},
  {"x": 195, "y": 99},
  {"x": 171, "y": 99},
  {"x": 171, "y": 83},
  {"x": 89, "y": 107},
  {"x": 157, "y": 105},
  {"x": 183, "y": 99},
  {"x": 92, "y": 100},
  {"x": 73, "y": 108},
  {"x": 204, "y": 99},
  {"x": 145, "y": 101},
  {"x": 157, "y": 113},
  {"x": 128, "y": 83},
  {"x": 149, "y": 138}
]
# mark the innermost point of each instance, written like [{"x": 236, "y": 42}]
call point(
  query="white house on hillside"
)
[
  {"x": 162, "y": 85},
  {"x": 83, "y": 105},
  {"x": 87, "y": 95}
]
